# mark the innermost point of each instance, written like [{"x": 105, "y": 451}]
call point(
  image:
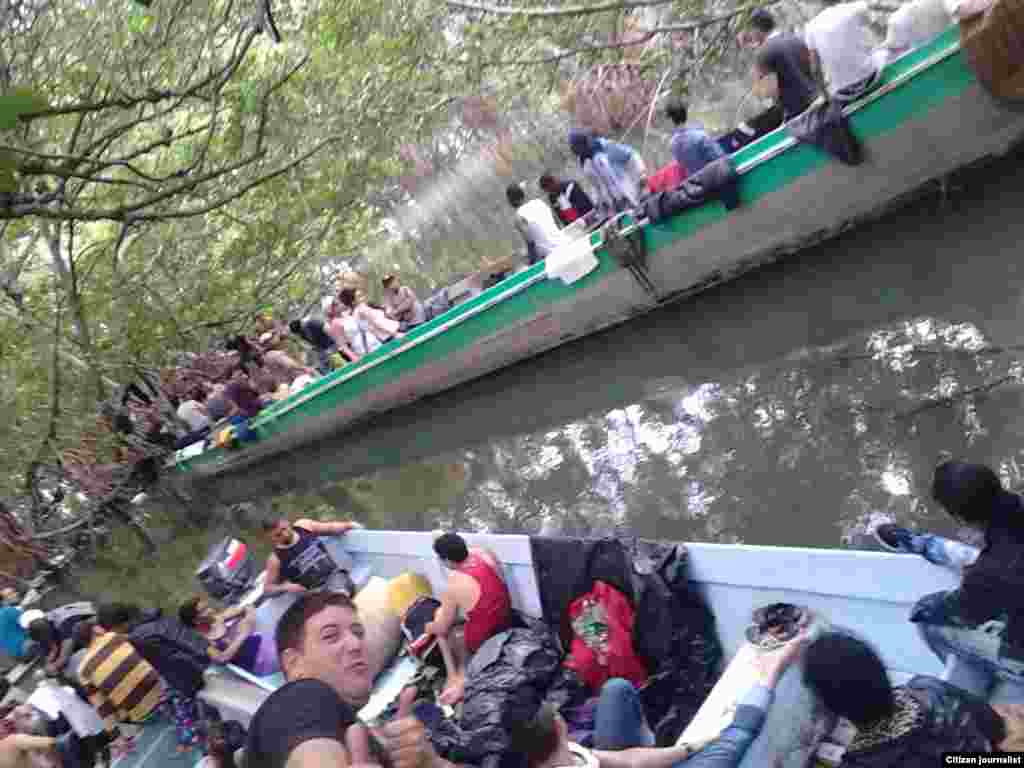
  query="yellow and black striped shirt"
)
[{"x": 121, "y": 684}]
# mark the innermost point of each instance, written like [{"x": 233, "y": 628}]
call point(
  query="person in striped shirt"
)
[{"x": 120, "y": 684}]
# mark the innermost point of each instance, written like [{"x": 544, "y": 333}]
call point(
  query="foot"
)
[
  {"x": 453, "y": 692},
  {"x": 896, "y": 539}
]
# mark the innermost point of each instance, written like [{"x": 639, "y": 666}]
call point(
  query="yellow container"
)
[{"x": 406, "y": 589}]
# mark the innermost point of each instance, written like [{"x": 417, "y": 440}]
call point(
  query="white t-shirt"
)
[
  {"x": 842, "y": 38},
  {"x": 541, "y": 228},
  {"x": 191, "y": 413},
  {"x": 916, "y": 23}
]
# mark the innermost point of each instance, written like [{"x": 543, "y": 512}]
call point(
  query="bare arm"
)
[
  {"x": 318, "y": 753},
  {"x": 645, "y": 757},
  {"x": 446, "y": 614},
  {"x": 406, "y": 300},
  {"x": 336, "y": 330},
  {"x": 241, "y": 635},
  {"x": 336, "y": 528}
]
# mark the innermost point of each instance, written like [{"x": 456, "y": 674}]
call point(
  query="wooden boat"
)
[{"x": 927, "y": 117}]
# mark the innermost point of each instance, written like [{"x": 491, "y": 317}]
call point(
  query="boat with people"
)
[
  {"x": 867, "y": 592},
  {"x": 927, "y": 116}
]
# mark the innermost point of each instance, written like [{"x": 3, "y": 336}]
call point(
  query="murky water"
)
[{"x": 791, "y": 407}]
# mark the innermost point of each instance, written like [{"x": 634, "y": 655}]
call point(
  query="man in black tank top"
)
[{"x": 300, "y": 561}]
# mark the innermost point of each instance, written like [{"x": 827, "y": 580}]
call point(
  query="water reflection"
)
[{"x": 807, "y": 451}]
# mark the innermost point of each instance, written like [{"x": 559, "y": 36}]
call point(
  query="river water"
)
[{"x": 795, "y": 406}]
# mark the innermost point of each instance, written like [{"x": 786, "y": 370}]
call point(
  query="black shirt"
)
[
  {"x": 788, "y": 58},
  {"x": 315, "y": 333},
  {"x": 298, "y": 712},
  {"x": 307, "y": 561}
]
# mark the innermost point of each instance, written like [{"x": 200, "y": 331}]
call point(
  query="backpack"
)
[
  {"x": 228, "y": 570},
  {"x": 418, "y": 643}
]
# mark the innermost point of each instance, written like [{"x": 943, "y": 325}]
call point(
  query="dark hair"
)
[
  {"x": 515, "y": 195},
  {"x": 270, "y": 524},
  {"x": 452, "y": 547},
  {"x": 81, "y": 634},
  {"x": 677, "y": 111},
  {"x": 762, "y": 20},
  {"x": 547, "y": 180},
  {"x": 849, "y": 677},
  {"x": 295, "y": 326},
  {"x": 198, "y": 394},
  {"x": 41, "y": 630},
  {"x": 291, "y": 629},
  {"x": 387, "y": 280},
  {"x": 347, "y": 296},
  {"x": 113, "y": 615},
  {"x": 535, "y": 738},
  {"x": 188, "y": 611},
  {"x": 969, "y": 492}
]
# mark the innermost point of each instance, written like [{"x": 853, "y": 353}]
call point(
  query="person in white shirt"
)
[
  {"x": 536, "y": 223},
  {"x": 914, "y": 24},
  {"x": 842, "y": 45}
]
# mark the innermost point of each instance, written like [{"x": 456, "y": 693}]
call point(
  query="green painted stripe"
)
[{"x": 911, "y": 99}]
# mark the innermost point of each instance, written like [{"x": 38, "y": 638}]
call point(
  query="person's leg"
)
[
  {"x": 619, "y": 722},
  {"x": 967, "y": 664},
  {"x": 935, "y": 549}
]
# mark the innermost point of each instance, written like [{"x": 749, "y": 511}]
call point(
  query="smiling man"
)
[{"x": 311, "y": 721}]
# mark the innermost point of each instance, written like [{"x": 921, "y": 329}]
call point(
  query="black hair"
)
[
  {"x": 849, "y": 678},
  {"x": 188, "y": 611},
  {"x": 41, "y": 630},
  {"x": 548, "y": 179},
  {"x": 452, "y": 547},
  {"x": 763, "y": 21},
  {"x": 347, "y": 296},
  {"x": 969, "y": 492},
  {"x": 535, "y": 738},
  {"x": 113, "y": 615},
  {"x": 291, "y": 629},
  {"x": 295, "y": 326},
  {"x": 270, "y": 524},
  {"x": 677, "y": 111},
  {"x": 515, "y": 195},
  {"x": 81, "y": 634}
]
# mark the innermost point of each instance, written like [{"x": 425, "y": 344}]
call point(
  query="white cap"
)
[{"x": 33, "y": 614}]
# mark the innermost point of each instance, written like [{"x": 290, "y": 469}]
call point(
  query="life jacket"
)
[{"x": 602, "y": 643}]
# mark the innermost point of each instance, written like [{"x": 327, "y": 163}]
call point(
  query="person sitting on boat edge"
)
[
  {"x": 300, "y": 561},
  {"x": 54, "y": 631},
  {"x": 910, "y": 725},
  {"x": 616, "y": 174},
  {"x": 373, "y": 320},
  {"x": 842, "y": 46},
  {"x": 621, "y": 739},
  {"x": 230, "y": 636},
  {"x": 402, "y": 304},
  {"x": 977, "y": 629},
  {"x": 692, "y": 148},
  {"x": 787, "y": 58},
  {"x": 311, "y": 721},
  {"x": 536, "y": 223},
  {"x": 475, "y": 587}
]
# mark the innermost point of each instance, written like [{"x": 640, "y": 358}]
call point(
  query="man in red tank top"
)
[{"x": 475, "y": 587}]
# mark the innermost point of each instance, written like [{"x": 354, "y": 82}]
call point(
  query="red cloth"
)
[
  {"x": 493, "y": 609},
  {"x": 606, "y": 648},
  {"x": 669, "y": 177}
]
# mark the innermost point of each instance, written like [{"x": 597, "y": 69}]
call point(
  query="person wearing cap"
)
[{"x": 402, "y": 304}]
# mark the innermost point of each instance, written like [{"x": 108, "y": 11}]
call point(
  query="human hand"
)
[
  {"x": 405, "y": 738},
  {"x": 357, "y": 742},
  {"x": 1013, "y": 718},
  {"x": 770, "y": 665},
  {"x": 297, "y": 589}
]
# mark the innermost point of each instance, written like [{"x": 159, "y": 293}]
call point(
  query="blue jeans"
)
[
  {"x": 619, "y": 722},
  {"x": 971, "y": 654}
]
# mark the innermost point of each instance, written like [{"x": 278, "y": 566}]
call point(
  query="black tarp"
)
[{"x": 674, "y": 630}]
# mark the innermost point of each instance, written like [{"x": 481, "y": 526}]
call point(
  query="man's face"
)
[
  {"x": 333, "y": 651},
  {"x": 281, "y": 534},
  {"x": 9, "y": 595}
]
